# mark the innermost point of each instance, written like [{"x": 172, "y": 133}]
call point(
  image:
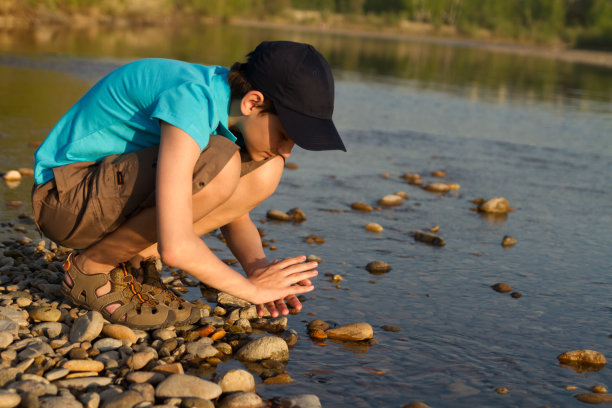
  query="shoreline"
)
[{"x": 411, "y": 32}]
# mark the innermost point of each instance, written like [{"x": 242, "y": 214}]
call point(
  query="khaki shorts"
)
[{"x": 88, "y": 200}]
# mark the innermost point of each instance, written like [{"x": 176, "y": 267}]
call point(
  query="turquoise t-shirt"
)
[{"x": 122, "y": 112}]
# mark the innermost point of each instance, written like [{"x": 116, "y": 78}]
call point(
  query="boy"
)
[{"x": 160, "y": 152}]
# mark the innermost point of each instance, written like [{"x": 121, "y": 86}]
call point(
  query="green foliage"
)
[{"x": 587, "y": 23}]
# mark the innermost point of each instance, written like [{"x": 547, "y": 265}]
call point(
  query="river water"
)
[{"x": 535, "y": 131}]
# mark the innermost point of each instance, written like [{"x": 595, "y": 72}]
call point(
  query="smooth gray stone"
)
[
  {"x": 301, "y": 401},
  {"x": 183, "y": 385},
  {"x": 82, "y": 383}
]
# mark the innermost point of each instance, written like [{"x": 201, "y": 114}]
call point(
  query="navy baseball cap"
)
[{"x": 300, "y": 83}]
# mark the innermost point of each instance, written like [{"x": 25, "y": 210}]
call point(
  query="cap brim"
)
[{"x": 310, "y": 133}]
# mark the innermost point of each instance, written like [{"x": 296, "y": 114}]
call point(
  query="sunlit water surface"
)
[{"x": 535, "y": 131}]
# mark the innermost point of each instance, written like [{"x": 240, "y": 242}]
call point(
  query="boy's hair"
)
[{"x": 239, "y": 87}]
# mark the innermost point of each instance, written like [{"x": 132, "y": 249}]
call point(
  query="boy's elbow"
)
[{"x": 169, "y": 254}]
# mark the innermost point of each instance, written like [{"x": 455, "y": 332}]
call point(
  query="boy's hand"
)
[{"x": 280, "y": 282}]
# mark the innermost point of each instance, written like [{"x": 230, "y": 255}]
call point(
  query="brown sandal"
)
[
  {"x": 137, "y": 309},
  {"x": 185, "y": 312}
]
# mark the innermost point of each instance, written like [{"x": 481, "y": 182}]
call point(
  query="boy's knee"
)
[{"x": 267, "y": 177}]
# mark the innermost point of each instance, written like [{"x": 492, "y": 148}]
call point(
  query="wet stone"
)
[
  {"x": 416, "y": 404},
  {"x": 278, "y": 215},
  {"x": 498, "y": 205},
  {"x": 197, "y": 403},
  {"x": 516, "y": 295},
  {"x": 501, "y": 287},
  {"x": 296, "y": 215},
  {"x": 428, "y": 238},
  {"x": 374, "y": 227},
  {"x": 241, "y": 400},
  {"x": 438, "y": 187},
  {"x": 266, "y": 347},
  {"x": 594, "y": 398},
  {"x": 301, "y": 401},
  {"x": 354, "y": 331},
  {"x": 378, "y": 267},
  {"x": 279, "y": 379},
  {"x": 317, "y": 325},
  {"x": 390, "y": 328},
  {"x": 391, "y": 200},
  {"x": 502, "y": 390},
  {"x": 582, "y": 357},
  {"x": 508, "y": 241},
  {"x": 600, "y": 389},
  {"x": 361, "y": 207}
]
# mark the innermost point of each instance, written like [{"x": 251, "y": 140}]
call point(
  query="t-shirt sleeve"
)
[{"x": 190, "y": 108}]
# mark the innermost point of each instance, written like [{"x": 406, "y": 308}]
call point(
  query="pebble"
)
[
  {"x": 600, "y": 389},
  {"x": 9, "y": 399},
  {"x": 359, "y": 206},
  {"x": 314, "y": 258},
  {"x": 196, "y": 403},
  {"x": 5, "y": 339},
  {"x": 437, "y": 187},
  {"x": 120, "y": 332},
  {"x": 508, "y": 241},
  {"x": 502, "y": 390},
  {"x": 416, "y": 404},
  {"x": 374, "y": 227},
  {"x": 138, "y": 360},
  {"x": 279, "y": 379},
  {"x": 378, "y": 267},
  {"x": 237, "y": 380},
  {"x": 301, "y": 401},
  {"x": 501, "y": 287},
  {"x": 498, "y": 205},
  {"x": 183, "y": 386},
  {"x": 266, "y": 347},
  {"x": 142, "y": 377},
  {"x": 389, "y": 328},
  {"x": 428, "y": 238},
  {"x": 241, "y": 400},
  {"x": 107, "y": 344},
  {"x": 354, "y": 332},
  {"x": 83, "y": 365},
  {"x": 297, "y": 215},
  {"x": 582, "y": 357},
  {"x": 391, "y": 200},
  {"x": 291, "y": 337},
  {"x": 87, "y": 327},
  {"x": 227, "y": 299},
  {"x": 278, "y": 215},
  {"x": 317, "y": 325},
  {"x": 79, "y": 384},
  {"x": 594, "y": 398},
  {"x": 56, "y": 374},
  {"x": 12, "y": 175}
]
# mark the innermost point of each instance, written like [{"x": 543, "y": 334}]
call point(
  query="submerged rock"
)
[
  {"x": 266, "y": 347},
  {"x": 297, "y": 215},
  {"x": 361, "y": 207},
  {"x": 428, "y": 238},
  {"x": 278, "y": 215},
  {"x": 594, "y": 398}
]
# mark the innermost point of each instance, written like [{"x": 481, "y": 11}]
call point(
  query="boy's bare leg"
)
[{"x": 211, "y": 209}]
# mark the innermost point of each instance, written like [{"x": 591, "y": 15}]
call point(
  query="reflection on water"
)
[{"x": 466, "y": 71}]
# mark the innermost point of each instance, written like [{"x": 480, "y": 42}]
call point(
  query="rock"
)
[
  {"x": 120, "y": 332},
  {"x": 277, "y": 324},
  {"x": 8, "y": 374},
  {"x": 317, "y": 334},
  {"x": 296, "y": 215},
  {"x": 301, "y": 401},
  {"x": 227, "y": 299},
  {"x": 437, "y": 187},
  {"x": 411, "y": 176},
  {"x": 389, "y": 328},
  {"x": 317, "y": 325},
  {"x": 416, "y": 404},
  {"x": 278, "y": 215},
  {"x": 508, "y": 241},
  {"x": 291, "y": 337},
  {"x": 138, "y": 360},
  {"x": 45, "y": 314},
  {"x": 202, "y": 348},
  {"x": 9, "y": 326},
  {"x": 107, "y": 344},
  {"x": 35, "y": 349},
  {"x": 197, "y": 403},
  {"x": 600, "y": 389},
  {"x": 237, "y": 380},
  {"x": 314, "y": 258},
  {"x": 90, "y": 400},
  {"x": 83, "y": 365},
  {"x": 145, "y": 377},
  {"x": 79, "y": 384},
  {"x": 56, "y": 374},
  {"x": 291, "y": 166},
  {"x": 374, "y": 227},
  {"x": 9, "y": 399},
  {"x": 314, "y": 238},
  {"x": 497, "y": 205},
  {"x": 50, "y": 330},
  {"x": 5, "y": 339},
  {"x": 266, "y": 347},
  {"x": 502, "y": 390},
  {"x": 391, "y": 200},
  {"x": 126, "y": 399},
  {"x": 87, "y": 327},
  {"x": 12, "y": 175},
  {"x": 184, "y": 386},
  {"x": 501, "y": 287},
  {"x": 361, "y": 207},
  {"x": 353, "y": 331},
  {"x": 241, "y": 400},
  {"x": 594, "y": 398},
  {"x": 279, "y": 379},
  {"x": 378, "y": 267},
  {"x": 516, "y": 295},
  {"x": 582, "y": 357},
  {"x": 59, "y": 402},
  {"x": 18, "y": 316},
  {"x": 26, "y": 171},
  {"x": 428, "y": 238}
]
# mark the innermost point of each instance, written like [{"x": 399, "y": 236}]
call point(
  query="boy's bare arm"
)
[
  {"x": 245, "y": 243},
  {"x": 180, "y": 247}
]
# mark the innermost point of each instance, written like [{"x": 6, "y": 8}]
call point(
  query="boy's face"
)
[{"x": 265, "y": 136}]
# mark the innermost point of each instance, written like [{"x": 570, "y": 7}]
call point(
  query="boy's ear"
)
[{"x": 250, "y": 101}]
